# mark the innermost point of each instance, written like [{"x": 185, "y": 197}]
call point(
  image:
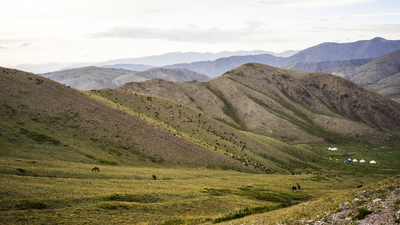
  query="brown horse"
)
[
  {"x": 96, "y": 169},
  {"x": 298, "y": 186}
]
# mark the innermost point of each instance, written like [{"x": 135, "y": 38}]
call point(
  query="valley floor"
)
[{"x": 54, "y": 192}]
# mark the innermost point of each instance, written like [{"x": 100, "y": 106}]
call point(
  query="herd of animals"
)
[{"x": 294, "y": 188}]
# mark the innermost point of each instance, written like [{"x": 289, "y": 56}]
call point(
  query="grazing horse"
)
[
  {"x": 359, "y": 186},
  {"x": 154, "y": 177},
  {"x": 96, "y": 169},
  {"x": 298, "y": 186},
  {"x": 293, "y": 188}
]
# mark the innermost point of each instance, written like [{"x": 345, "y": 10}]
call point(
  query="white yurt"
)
[
  {"x": 362, "y": 161},
  {"x": 355, "y": 160},
  {"x": 372, "y": 162}
]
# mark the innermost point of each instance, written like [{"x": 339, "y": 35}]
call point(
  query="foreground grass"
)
[
  {"x": 64, "y": 192},
  {"x": 321, "y": 209}
]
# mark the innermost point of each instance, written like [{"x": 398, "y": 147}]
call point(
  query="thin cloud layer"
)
[{"x": 251, "y": 32}]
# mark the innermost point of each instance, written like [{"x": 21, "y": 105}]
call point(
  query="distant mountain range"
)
[
  {"x": 381, "y": 75},
  {"x": 97, "y": 77},
  {"x": 322, "y": 52},
  {"x": 343, "y": 51},
  {"x": 149, "y": 61}
]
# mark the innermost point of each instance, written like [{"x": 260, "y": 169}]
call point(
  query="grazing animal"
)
[
  {"x": 298, "y": 186},
  {"x": 96, "y": 169},
  {"x": 293, "y": 188},
  {"x": 359, "y": 186},
  {"x": 154, "y": 177}
]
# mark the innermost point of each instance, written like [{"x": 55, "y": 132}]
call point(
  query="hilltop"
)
[
  {"x": 291, "y": 106},
  {"x": 342, "y": 51},
  {"x": 97, "y": 77}
]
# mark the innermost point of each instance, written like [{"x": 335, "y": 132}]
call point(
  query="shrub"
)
[
  {"x": 31, "y": 204},
  {"x": 362, "y": 213},
  {"x": 110, "y": 205},
  {"x": 39, "y": 138},
  {"x": 21, "y": 170},
  {"x": 173, "y": 222}
]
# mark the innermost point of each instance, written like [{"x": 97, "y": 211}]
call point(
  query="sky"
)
[{"x": 43, "y": 31}]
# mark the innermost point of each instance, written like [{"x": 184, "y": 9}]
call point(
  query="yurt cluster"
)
[
  {"x": 351, "y": 160},
  {"x": 361, "y": 161}
]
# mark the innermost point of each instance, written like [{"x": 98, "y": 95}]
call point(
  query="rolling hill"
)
[
  {"x": 116, "y": 127},
  {"x": 381, "y": 75},
  {"x": 291, "y": 106},
  {"x": 97, "y": 77}
]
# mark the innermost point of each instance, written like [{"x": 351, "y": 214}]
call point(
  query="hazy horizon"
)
[{"x": 46, "y": 31}]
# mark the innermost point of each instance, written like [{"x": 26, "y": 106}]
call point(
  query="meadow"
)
[{"x": 54, "y": 192}]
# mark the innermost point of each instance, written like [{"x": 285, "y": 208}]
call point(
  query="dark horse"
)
[
  {"x": 298, "y": 186},
  {"x": 96, "y": 169},
  {"x": 154, "y": 177},
  {"x": 293, "y": 188}
]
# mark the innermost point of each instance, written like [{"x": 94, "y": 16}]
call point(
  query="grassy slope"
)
[{"x": 291, "y": 106}]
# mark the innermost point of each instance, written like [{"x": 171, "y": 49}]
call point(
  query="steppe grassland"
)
[{"x": 68, "y": 192}]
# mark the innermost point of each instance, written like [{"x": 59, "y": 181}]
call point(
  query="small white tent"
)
[
  {"x": 362, "y": 161},
  {"x": 355, "y": 160},
  {"x": 372, "y": 162}
]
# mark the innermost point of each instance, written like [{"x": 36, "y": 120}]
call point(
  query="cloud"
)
[
  {"x": 84, "y": 55},
  {"x": 252, "y": 31},
  {"x": 23, "y": 45},
  {"x": 1, "y": 47},
  {"x": 364, "y": 28}
]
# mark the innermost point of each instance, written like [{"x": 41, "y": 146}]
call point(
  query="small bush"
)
[
  {"x": 39, "y": 138},
  {"x": 90, "y": 157},
  {"x": 217, "y": 192},
  {"x": 108, "y": 162},
  {"x": 362, "y": 213},
  {"x": 31, "y": 204},
  {"x": 245, "y": 212},
  {"x": 110, "y": 205},
  {"x": 142, "y": 198},
  {"x": 174, "y": 222}
]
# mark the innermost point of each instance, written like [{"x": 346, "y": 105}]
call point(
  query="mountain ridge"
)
[
  {"x": 98, "y": 77},
  {"x": 293, "y": 105}
]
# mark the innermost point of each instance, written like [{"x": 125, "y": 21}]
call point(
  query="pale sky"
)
[{"x": 42, "y": 31}]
